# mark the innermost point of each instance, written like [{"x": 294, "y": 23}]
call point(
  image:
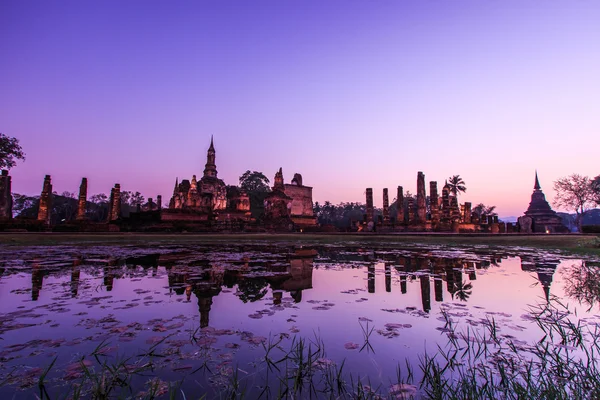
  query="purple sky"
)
[{"x": 350, "y": 94}]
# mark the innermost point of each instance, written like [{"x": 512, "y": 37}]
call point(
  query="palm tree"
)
[{"x": 457, "y": 185}]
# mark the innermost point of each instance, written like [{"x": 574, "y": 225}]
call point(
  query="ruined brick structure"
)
[
  {"x": 467, "y": 215},
  {"x": 290, "y": 201},
  {"x": 6, "y": 202},
  {"x": 45, "y": 208},
  {"x": 82, "y": 203},
  {"x": 301, "y": 209},
  {"x": 543, "y": 218},
  {"x": 114, "y": 204},
  {"x": 277, "y": 203},
  {"x": 386, "y": 206},
  {"x": 400, "y": 206},
  {"x": 207, "y": 195},
  {"x": 421, "y": 204},
  {"x": 434, "y": 204},
  {"x": 420, "y": 213},
  {"x": 411, "y": 211},
  {"x": 370, "y": 210}
]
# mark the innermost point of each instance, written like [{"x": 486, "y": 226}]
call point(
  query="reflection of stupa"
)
[{"x": 545, "y": 272}]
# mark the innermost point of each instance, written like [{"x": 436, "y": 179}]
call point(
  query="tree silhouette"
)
[
  {"x": 457, "y": 185},
  {"x": 575, "y": 192},
  {"x": 481, "y": 209},
  {"x": 254, "y": 181},
  {"x": 10, "y": 151}
]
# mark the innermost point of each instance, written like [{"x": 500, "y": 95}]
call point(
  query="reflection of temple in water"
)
[
  {"x": 459, "y": 274},
  {"x": 206, "y": 280},
  {"x": 253, "y": 279}
]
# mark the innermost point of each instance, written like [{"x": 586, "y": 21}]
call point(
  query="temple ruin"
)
[
  {"x": 539, "y": 217},
  {"x": 422, "y": 213},
  {"x": 82, "y": 203},
  {"x": 290, "y": 203},
  {"x": 45, "y": 208}
]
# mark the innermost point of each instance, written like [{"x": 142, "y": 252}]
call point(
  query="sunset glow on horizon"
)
[{"x": 349, "y": 94}]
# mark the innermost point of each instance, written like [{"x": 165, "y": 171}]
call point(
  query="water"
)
[{"x": 208, "y": 309}]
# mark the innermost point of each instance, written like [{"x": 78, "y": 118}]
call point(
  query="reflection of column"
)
[
  {"x": 403, "y": 284},
  {"x": 109, "y": 278},
  {"x": 204, "y": 304},
  {"x": 188, "y": 293},
  {"x": 75, "y": 274},
  {"x": 425, "y": 292},
  {"x": 449, "y": 278},
  {"x": 388, "y": 278},
  {"x": 296, "y": 295},
  {"x": 439, "y": 289},
  {"x": 472, "y": 274},
  {"x": 371, "y": 278},
  {"x": 37, "y": 279}
]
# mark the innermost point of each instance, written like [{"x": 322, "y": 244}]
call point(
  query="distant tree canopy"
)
[
  {"x": 64, "y": 206},
  {"x": 10, "y": 152},
  {"x": 575, "y": 192},
  {"x": 256, "y": 184},
  {"x": 596, "y": 189},
  {"x": 341, "y": 215},
  {"x": 481, "y": 209},
  {"x": 457, "y": 185},
  {"x": 131, "y": 198}
]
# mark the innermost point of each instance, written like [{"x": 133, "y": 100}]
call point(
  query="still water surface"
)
[{"x": 208, "y": 309}]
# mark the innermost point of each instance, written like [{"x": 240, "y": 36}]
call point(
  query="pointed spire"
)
[
  {"x": 537, "y": 182},
  {"x": 212, "y": 146}
]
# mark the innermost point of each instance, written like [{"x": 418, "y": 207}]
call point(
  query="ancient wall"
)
[{"x": 302, "y": 204}]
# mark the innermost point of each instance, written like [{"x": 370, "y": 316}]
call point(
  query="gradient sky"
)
[{"x": 351, "y": 94}]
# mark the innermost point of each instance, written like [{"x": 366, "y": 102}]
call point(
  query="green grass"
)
[{"x": 581, "y": 244}]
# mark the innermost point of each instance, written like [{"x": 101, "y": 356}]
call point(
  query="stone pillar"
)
[
  {"x": 159, "y": 202},
  {"x": 455, "y": 215},
  {"x": 411, "y": 210},
  {"x": 115, "y": 203},
  {"x": 370, "y": 211},
  {"x": 150, "y": 204},
  {"x": 82, "y": 204},
  {"x": 421, "y": 206},
  {"x": 445, "y": 204},
  {"x": 400, "y": 206},
  {"x": 45, "y": 210},
  {"x": 467, "y": 213},
  {"x": 434, "y": 203},
  {"x": 386, "y": 206},
  {"x": 5, "y": 196}
]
